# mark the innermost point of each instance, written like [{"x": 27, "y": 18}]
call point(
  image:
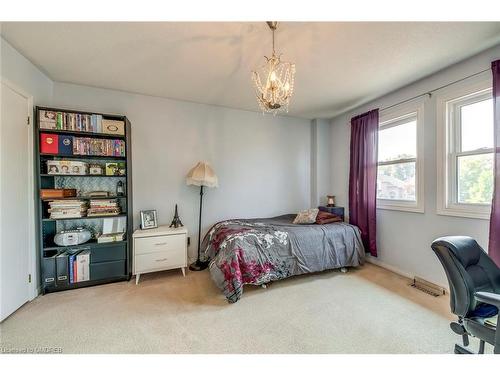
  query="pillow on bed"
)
[
  {"x": 306, "y": 216},
  {"x": 327, "y": 218}
]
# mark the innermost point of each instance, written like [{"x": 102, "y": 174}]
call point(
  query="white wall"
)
[
  {"x": 320, "y": 161},
  {"x": 21, "y": 72},
  {"x": 263, "y": 162},
  {"x": 404, "y": 238}
]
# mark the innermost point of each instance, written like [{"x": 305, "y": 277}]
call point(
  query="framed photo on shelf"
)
[{"x": 149, "y": 219}]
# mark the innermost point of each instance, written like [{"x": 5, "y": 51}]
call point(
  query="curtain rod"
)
[{"x": 429, "y": 93}]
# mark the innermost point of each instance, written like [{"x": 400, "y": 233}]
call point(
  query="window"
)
[
  {"x": 466, "y": 146},
  {"x": 399, "y": 172}
]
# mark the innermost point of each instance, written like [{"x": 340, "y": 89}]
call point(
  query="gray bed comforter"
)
[{"x": 257, "y": 251}]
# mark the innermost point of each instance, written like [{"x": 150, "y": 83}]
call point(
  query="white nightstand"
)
[{"x": 159, "y": 249}]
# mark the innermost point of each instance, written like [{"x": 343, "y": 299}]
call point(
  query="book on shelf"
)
[
  {"x": 104, "y": 214},
  {"x": 66, "y": 209},
  {"x": 57, "y": 193},
  {"x": 103, "y": 207},
  {"x": 47, "y": 119},
  {"x": 98, "y": 194},
  {"x": 111, "y": 237},
  {"x": 85, "y": 146},
  {"x": 72, "y": 267}
]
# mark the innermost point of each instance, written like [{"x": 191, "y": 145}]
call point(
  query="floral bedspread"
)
[{"x": 257, "y": 251}]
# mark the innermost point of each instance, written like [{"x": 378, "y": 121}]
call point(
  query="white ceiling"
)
[{"x": 338, "y": 64}]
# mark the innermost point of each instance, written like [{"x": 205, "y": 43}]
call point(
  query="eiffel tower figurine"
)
[{"x": 176, "y": 221}]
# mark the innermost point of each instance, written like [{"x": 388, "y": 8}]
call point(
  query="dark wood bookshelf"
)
[
  {"x": 79, "y": 175},
  {"x": 84, "y": 198},
  {"x": 110, "y": 261},
  {"x": 124, "y": 214},
  {"x": 78, "y": 133},
  {"x": 103, "y": 157},
  {"x": 84, "y": 284},
  {"x": 92, "y": 243}
]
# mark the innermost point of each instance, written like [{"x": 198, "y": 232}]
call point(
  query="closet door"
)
[{"x": 16, "y": 201}]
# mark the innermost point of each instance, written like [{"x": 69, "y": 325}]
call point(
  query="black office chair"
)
[{"x": 474, "y": 289}]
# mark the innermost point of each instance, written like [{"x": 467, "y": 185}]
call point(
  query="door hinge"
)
[
  {"x": 29, "y": 278},
  {"x": 28, "y": 121}
]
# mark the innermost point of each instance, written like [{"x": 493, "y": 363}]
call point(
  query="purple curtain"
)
[
  {"x": 363, "y": 177},
  {"x": 494, "y": 245}
]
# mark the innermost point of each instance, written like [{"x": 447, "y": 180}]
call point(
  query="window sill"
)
[
  {"x": 464, "y": 213},
  {"x": 400, "y": 206}
]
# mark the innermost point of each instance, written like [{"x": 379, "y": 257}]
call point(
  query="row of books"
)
[
  {"x": 99, "y": 147},
  {"x": 70, "y": 121},
  {"x": 104, "y": 207},
  {"x": 53, "y": 120},
  {"x": 79, "y": 266},
  {"x": 66, "y": 209},
  {"x": 76, "y": 208},
  {"x": 70, "y": 145}
]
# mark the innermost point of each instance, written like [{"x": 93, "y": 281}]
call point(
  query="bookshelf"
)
[{"x": 110, "y": 261}]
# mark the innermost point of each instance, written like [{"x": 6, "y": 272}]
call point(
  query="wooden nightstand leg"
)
[
  {"x": 183, "y": 271},
  {"x": 137, "y": 277}
]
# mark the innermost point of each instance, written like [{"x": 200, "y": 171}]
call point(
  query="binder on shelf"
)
[
  {"x": 65, "y": 145},
  {"x": 62, "y": 269},
  {"x": 49, "y": 271},
  {"x": 72, "y": 268},
  {"x": 49, "y": 143},
  {"x": 82, "y": 266}
]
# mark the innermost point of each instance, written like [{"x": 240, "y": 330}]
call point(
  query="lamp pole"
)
[{"x": 199, "y": 265}]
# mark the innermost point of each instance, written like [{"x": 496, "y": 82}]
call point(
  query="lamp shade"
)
[{"x": 202, "y": 174}]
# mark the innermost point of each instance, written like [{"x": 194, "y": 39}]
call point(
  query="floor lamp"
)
[{"x": 201, "y": 175}]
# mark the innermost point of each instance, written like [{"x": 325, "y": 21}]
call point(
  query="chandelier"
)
[{"x": 274, "y": 81}]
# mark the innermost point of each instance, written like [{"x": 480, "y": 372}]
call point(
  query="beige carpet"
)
[{"x": 368, "y": 310}]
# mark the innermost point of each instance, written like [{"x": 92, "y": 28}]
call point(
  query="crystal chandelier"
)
[{"x": 274, "y": 81}]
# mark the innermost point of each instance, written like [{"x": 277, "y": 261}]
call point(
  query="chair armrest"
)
[{"x": 489, "y": 298}]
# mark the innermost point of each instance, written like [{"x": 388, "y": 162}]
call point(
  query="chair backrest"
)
[{"x": 468, "y": 269}]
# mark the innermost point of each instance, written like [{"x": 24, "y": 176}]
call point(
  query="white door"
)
[{"x": 16, "y": 199}]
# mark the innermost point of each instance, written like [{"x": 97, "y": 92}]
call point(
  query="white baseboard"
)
[
  {"x": 396, "y": 270},
  {"x": 388, "y": 267}
]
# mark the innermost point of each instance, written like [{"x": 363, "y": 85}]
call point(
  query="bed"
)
[{"x": 258, "y": 251}]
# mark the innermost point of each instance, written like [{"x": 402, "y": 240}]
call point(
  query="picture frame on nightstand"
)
[{"x": 149, "y": 219}]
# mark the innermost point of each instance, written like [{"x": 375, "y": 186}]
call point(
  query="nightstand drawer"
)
[
  {"x": 159, "y": 260},
  {"x": 173, "y": 243}
]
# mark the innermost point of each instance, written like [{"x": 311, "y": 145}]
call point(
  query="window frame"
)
[
  {"x": 396, "y": 116},
  {"x": 449, "y": 130}
]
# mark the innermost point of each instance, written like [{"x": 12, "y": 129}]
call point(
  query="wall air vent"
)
[{"x": 428, "y": 287}]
